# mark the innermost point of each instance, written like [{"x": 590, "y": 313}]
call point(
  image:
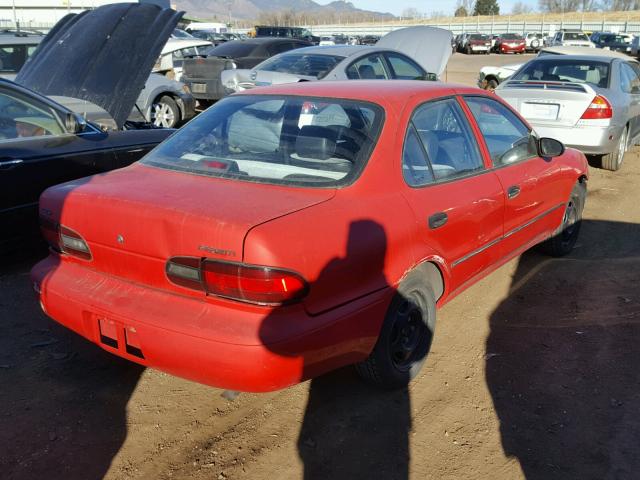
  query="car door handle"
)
[
  {"x": 9, "y": 164},
  {"x": 437, "y": 220},
  {"x": 513, "y": 191}
]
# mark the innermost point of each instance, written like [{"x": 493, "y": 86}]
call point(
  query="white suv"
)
[
  {"x": 533, "y": 41},
  {"x": 572, "y": 38}
]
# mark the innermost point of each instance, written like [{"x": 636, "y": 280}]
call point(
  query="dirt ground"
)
[{"x": 534, "y": 373}]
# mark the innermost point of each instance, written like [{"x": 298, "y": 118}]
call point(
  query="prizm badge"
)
[{"x": 217, "y": 251}]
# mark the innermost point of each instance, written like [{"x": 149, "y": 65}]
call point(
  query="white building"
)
[{"x": 45, "y": 13}]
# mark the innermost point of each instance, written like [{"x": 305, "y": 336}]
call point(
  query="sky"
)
[{"x": 424, "y": 6}]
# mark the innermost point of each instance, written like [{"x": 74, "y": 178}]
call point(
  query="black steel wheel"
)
[{"x": 405, "y": 337}]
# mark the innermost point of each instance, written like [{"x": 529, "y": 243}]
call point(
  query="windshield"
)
[
  {"x": 275, "y": 139},
  {"x": 561, "y": 70},
  {"x": 309, "y": 64},
  {"x": 177, "y": 33},
  {"x": 576, "y": 36}
]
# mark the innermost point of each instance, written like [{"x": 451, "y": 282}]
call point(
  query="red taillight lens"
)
[
  {"x": 599, "y": 108},
  {"x": 237, "y": 281},
  {"x": 64, "y": 240}
]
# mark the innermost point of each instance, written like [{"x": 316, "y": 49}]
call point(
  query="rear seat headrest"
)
[{"x": 316, "y": 142}]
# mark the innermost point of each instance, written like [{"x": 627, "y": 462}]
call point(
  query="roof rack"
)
[{"x": 20, "y": 32}]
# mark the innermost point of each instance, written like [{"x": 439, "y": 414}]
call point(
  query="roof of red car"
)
[{"x": 370, "y": 90}]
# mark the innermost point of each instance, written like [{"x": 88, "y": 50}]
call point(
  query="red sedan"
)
[
  {"x": 510, "y": 43},
  {"x": 292, "y": 230}
]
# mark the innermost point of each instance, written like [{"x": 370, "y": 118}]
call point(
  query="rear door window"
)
[
  {"x": 446, "y": 140},
  {"x": 370, "y": 67}
]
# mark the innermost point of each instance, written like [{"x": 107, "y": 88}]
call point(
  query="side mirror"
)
[
  {"x": 75, "y": 123},
  {"x": 550, "y": 147}
]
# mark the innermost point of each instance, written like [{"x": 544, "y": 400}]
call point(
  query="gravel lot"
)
[{"x": 534, "y": 373}]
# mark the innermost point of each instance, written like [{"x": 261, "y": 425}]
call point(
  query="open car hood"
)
[
  {"x": 103, "y": 56},
  {"x": 429, "y": 46}
]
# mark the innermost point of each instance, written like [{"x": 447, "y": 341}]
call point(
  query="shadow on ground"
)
[
  {"x": 64, "y": 400},
  {"x": 562, "y": 359}
]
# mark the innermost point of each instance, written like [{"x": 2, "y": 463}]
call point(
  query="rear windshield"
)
[
  {"x": 511, "y": 36},
  {"x": 309, "y": 64},
  {"x": 612, "y": 39},
  {"x": 575, "y": 36},
  {"x": 561, "y": 70},
  {"x": 478, "y": 36},
  {"x": 234, "y": 49},
  {"x": 306, "y": 141}
]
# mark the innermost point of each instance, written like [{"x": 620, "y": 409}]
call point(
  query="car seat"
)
[{"x": 366, "y": 72}]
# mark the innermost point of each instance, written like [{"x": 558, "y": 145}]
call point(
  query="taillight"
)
[
  {"x": 237, "y": 281},
  {"x": 64, "y": 240},
  {"x": 599, "y": 108}
]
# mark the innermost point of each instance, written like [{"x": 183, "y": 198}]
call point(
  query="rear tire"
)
[
  {"x": 613, "y": 161},
  {"x": 405, "y": 337},
  {"x": 565, "y": 238},
  {"x": 165, "y": 112}
]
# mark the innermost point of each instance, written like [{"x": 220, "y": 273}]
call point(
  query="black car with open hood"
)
[{"x": 102, "y": 57}]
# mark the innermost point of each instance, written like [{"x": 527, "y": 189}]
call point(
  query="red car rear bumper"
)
[
  {"x": 508, "y": 49},
  {"x": 201, "y": 340}
]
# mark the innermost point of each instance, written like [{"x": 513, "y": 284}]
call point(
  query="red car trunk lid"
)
[{"x": 136, "y": 218}]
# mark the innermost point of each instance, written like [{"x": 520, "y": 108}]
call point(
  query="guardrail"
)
[
  {"x": 455, "y": 27},
  {"x": 482, "y": 27}
]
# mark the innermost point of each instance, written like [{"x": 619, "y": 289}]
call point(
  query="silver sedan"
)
[
  {"x": 591, "y": 103},
  {"x": 398, "y": 55}
]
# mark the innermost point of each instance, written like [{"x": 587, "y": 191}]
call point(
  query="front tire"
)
[
  {"x": 613, "y": 161},
  {"x": 165, "y": 112},
  {"x": 405, "y": 337},
  {"x": 565, "y": 238}
]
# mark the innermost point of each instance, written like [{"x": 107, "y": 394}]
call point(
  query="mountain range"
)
[{"x": 223, "y": 10}]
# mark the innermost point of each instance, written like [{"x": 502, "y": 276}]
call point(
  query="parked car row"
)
[
  {"x": 237, "y": 66},
  {"x": 588, "y": 99},
  {"x": 203, "y": 258}
]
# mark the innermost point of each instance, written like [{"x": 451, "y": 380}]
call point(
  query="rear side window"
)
[
  {"x": 630, "y": 81},
  {"x": 272, "y": 139},
  {"x": 12, "y": 57},
  {"x": 446, "y": 140}
]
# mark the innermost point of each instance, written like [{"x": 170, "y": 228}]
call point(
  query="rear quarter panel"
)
[{"x": 359, "y": 242}]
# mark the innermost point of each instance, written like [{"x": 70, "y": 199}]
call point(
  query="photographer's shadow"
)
[
  {"x": 562, "y": 359},
  {"x": 351, "y": 430}
]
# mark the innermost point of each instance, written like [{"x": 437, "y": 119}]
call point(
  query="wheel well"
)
[
  {"x": 432, "y": 274},
  {"x": 172, "y": 96}
]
